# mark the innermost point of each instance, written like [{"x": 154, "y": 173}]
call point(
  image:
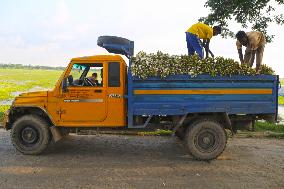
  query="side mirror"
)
[{"x": 64, "y": 85}]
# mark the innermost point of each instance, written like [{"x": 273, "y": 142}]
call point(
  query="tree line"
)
[{"x": 21, "y": 66}]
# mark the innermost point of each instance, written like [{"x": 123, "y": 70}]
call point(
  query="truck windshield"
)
[{"x": 79, "y": 67}]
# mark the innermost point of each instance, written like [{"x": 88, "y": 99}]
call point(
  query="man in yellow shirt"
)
[
  {"x": 200, "y": 31},
  {"x": 254, "y": 42}
]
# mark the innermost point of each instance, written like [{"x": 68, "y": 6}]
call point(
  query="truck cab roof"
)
[{"x": 98, "y": 58}]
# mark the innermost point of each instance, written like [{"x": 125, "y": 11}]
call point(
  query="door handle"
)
[{"x": 98, "y": 91}]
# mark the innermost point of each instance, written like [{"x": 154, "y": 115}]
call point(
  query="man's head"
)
[
  {"x": 216, "y": 30},
  {"x": 95, "y": 75},
  {"x": 242, "y": 37}
]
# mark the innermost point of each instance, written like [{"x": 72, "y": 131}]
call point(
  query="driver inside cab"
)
[{"x": 94, "y": 79}]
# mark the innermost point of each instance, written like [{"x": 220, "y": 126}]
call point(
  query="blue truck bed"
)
[{"x": 181, "y": 94}]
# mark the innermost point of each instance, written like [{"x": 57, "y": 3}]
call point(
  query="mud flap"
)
[
  {"x": 228, "y": 122},
  {"x": 56, "y": 133},
  {"x": 179, "y": 124}
]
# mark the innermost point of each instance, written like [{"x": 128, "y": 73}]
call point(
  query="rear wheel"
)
[
  {"x": 206, "y": 139},
  {"x": 30, "y": 134}
]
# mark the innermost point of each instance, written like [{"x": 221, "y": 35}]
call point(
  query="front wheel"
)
[
  {"x": 30, "y": 134},
  {"x": 206, "y": 139}
]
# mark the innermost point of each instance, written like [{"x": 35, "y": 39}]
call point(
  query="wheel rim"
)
[
  {"x": 29, "y": 135},
  {"x": 206, "y": 140}
]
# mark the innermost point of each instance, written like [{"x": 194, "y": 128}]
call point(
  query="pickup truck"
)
[{"x": 198, "y": 110}]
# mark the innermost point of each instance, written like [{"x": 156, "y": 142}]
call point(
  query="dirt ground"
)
[{"x": 111, "y": 161}]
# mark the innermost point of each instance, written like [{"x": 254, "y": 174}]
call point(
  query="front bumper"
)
[{"x": 6, "y": 121}]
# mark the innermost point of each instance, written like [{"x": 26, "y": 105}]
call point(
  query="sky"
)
[{"x": 51, "y": 32}]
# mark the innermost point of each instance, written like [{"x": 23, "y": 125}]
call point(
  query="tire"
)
[
  {"x": 112, "y": 40},
  {"x": 206, "y": 139},
  {"x": 30, "y": 135}
]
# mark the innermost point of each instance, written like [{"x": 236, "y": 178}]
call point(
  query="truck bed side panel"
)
[{"x": 181, "y": 94}]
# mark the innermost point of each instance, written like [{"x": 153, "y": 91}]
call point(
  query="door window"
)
[
  {"x": 114, "y": 74},
  {"x": 86, "y": 75}
]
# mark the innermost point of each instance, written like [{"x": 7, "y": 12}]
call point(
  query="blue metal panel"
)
[
  {"x": 198, "y": 107},
  {"x": 145, "y": 104},
  {"x": 130, "y": 101},
  {"x": 201, "y": 85},
  {"x": 201, "y": 98},
  {"x": 276, "y": 89},
  {"x": 210, "y": 78}
]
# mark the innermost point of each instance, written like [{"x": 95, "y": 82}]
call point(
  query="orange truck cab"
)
[
  {"x": 100, "y": 92},
  {"x": 94, "y": 94}
]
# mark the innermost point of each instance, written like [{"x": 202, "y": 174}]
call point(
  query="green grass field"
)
[
  {"x": 264, "y": 126},
  {"x": 281, "y": 100},
  {"x": 264, "y": 129},
  {"x": 21, "y": 80},
  {"x": 14, "y": 81}
]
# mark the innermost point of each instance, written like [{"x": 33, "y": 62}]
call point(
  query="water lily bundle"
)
[{"x": 162, "y": 65}]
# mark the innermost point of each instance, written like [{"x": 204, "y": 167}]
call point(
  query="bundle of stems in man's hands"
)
[{"x": 162, "y": 65}]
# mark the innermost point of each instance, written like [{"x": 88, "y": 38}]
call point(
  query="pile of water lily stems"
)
[{"x": 162, "y": 65}]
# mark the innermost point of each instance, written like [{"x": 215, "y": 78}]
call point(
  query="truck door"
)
[
  {"x": 85, "y": 99},
  {"x": 116, "y": 90}
]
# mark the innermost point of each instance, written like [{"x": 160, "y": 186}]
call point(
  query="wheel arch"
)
[
  {"x": 221, "y": 117},
  {"x": 17, "y": 112}
]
